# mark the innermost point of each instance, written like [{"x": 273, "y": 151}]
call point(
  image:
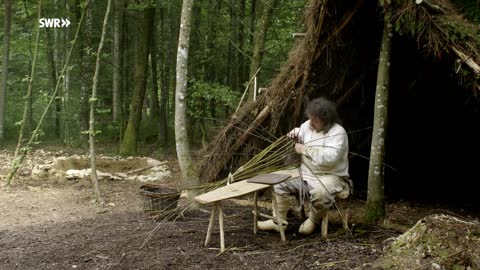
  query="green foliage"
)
[
  {"x": 202, "y": 95},
  {"x": 470, "y": 8},
  {"x": 287, "y": 19},
  {"x": 214, "y": 37},
  {"x": 141, "y": 5},
  {"x": 382, "y": 2},
  {"x": 213, "y": 40}
]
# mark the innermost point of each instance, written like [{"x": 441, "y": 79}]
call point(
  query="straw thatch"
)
[{"x": 338, "y": 58}]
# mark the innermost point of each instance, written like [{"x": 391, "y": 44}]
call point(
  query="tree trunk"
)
[
  {"x": 260, "y": 37},
  {"x": 253, "y": 17},
  {"x": 169, "y": 67},
  {"x": 375, "y": 197},
  {"x": 196, "y": 39},
  {"x": 212, "y": 19},
  {"x": 93, "y": 100},
  {"x": 242, "y": 72},
  {"x": 232, "y": 65},
  {"x": 58, "y": 62},
  {"x": 117, "y": 59},
  {"x": 181, "y": 136},
  {"x": 6, "y": 53},
  {"x": 85, "y": 72},
  {"x": 53, "y": 76},
  {"x": 163, "y": 132},
  {"x": 129, "y": 142},
  {"x": 155, "y": 106},
  {"x": 66, "y": 82},
  {"x": 29, "y": 121},
  {"x": 125, "y": 69},
  {"x": 145, "y": 99}
]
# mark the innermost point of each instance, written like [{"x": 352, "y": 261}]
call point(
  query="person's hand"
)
[
  {"x": 299, "y": 148},
  {"x": 293, "y": 133}
]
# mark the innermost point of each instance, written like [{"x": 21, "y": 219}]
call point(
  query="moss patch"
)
[{"x": 435, "y": 241}]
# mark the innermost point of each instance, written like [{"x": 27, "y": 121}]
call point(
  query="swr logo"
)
[{"x": 53, "y": 22}]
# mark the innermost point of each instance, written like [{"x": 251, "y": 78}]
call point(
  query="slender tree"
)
[
  {"x": 214, "y": 11},
  {"x": 53, "y": 76},
  {"x": 196, "y": 37},
  {"x": 85, "y": 71},
  {"x": 93, "y": 100},
  {"x": 66, "y": 81},
  {"x": 181, "y": 136},
  {"x": 58, "y": 63},
  {"x": 375, "y": 196},
  {"x": 232, "y": 66},
  {"x": 129, "y": 142},
  {"x": 126, "y": 69},
  {"x": 260, "y": 37},
  {"x": 117, "y": 59},
  {"x": 253, "y": 17},
  {"x": 167, "y": 100},
  {"x": 146, "y": 97},
  {"x": 6, "y": 56},
  {"x": 154, "y": 103},
  {"x": 164, "y": 74},
  {"x": 241, "y": 44},
  {"x": 29, "y": 122}
]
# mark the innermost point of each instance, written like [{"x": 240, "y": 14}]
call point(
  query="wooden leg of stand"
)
[
  {"x": 220, "y": 221},
  {"x": 255, "y": 212},
  {"x": 344, "y": 217},
  {"x": 210, "y": 225},
  {"x": 325, "y": 226},
  {"x": 302, "y": 212}
]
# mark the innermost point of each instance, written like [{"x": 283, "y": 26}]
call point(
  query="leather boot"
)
[
  {"x": 309, "y": 225},
  {"x": 283, "y": 204}
]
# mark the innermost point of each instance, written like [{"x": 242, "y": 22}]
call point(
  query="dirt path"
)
[
  {"x": 60, "y": 228},
  {"x": 86, "y": 238}
]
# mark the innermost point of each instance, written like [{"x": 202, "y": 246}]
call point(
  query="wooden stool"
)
[{"x": 343, "y": 215}]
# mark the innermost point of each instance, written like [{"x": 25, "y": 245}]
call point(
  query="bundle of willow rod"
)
[{"x": 273, "y": 158}]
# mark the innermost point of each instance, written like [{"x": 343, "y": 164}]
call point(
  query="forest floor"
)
[{"x": 54, "y": 224}]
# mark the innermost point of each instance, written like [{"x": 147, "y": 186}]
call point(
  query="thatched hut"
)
[{"x": 434, "y": 109}]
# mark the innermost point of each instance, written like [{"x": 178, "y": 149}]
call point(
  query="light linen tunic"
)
[{"x": 324, "y": 153}]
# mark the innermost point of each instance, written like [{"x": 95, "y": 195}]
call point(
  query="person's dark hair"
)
[{"x": 324, "y": 109}]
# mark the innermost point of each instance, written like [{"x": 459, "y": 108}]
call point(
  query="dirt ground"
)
[{"x": 46, "y": 224}]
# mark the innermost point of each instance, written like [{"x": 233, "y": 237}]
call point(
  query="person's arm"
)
[
  {"x": 293, "y": 133},
  {"x": 298, "y": 132},
  {"x": 328, "y": 154}
]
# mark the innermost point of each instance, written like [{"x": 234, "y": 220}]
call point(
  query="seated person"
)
[{"x": 323, "y": 173}]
